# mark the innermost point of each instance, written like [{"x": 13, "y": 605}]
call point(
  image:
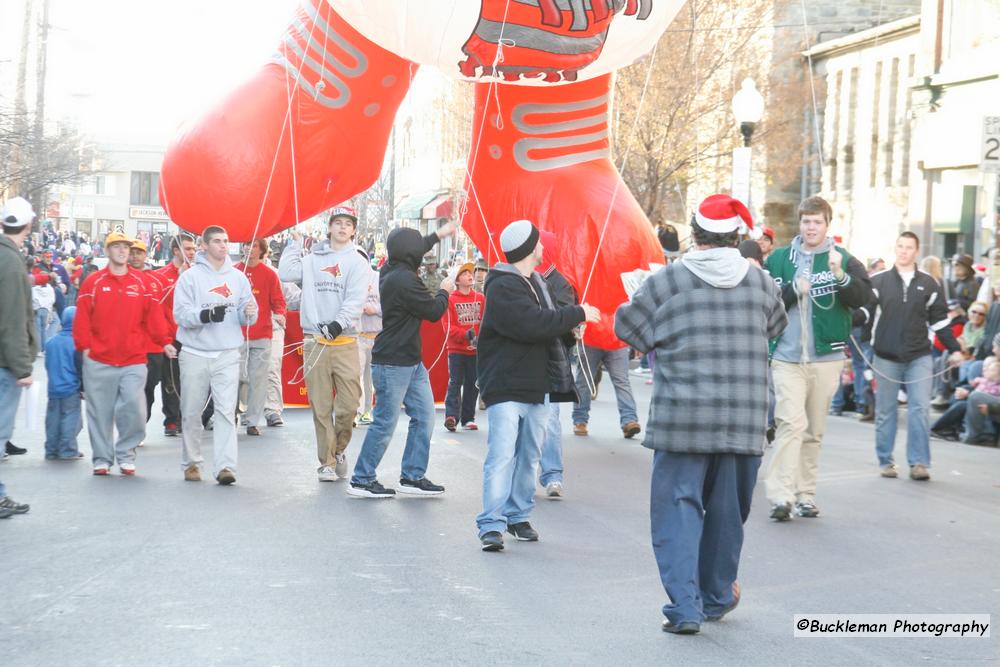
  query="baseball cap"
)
[
  {"x": 768, "y": 232},
  {"x": 467, "y": 266},
  {"x": 139, "y": 244},
  {"x": 953, "y": 304},
  {"x": 344, "y": 212},
  {"x": 116, "y": 237},
  {"x": 17, "y": 212}
]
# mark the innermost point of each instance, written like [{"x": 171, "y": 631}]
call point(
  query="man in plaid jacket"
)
[{"x": 709, "y": 318}]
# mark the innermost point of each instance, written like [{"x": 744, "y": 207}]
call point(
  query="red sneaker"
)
[
  {"x": 102, "y": 471},
  {"x": 470, "y": 426}
]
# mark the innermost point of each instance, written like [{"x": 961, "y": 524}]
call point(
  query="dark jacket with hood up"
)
[
  {"x": 522, "y": 355},
  {"x": 405, "y": 299}
]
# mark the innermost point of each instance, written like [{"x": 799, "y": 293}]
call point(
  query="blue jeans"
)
[
  {"x": 62, "y": 425},
  {"x": 918, "y": 397},
  {"x": 616, "y": 363},
  {"x": 551, "y": 467},
  {"x": 460, "y": 401},
  {"x": 42, "y": 324},
  {"x": 698, "y": 505},
  {"x": 513, "y": 447},
  {"x": 411, "y": 386},
  {"x": 978, "y": 425},
  {"x": 10, "y": 396},
  {"x": 858, "y": 357}
]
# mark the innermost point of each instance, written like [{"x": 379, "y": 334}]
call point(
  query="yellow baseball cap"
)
[
  {"x": 139, "y": 244},
  {"x": 116, "y": 237}
]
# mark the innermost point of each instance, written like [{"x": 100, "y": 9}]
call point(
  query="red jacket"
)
[
  {"x": 168, "y": 277},
  {"x": 154, "y": 283},
  {"x": 116, "y": 318},
  {"x": 266, "y": 288},
  {"x": 465, "y": 313}
]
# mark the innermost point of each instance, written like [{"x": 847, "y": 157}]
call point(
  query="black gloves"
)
[
  {"x": 330, "y": 330},
  {"x": 216, "y": 314}
]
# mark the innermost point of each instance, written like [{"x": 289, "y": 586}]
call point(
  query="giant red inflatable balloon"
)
[{"x": 310, "y": 129}]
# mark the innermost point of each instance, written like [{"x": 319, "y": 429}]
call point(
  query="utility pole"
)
[
  {"x": 41, "y": 63},
  {"x": 21, "y": 103}
]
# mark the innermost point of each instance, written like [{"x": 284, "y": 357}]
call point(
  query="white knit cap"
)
[{"x": 518, "y": 240}]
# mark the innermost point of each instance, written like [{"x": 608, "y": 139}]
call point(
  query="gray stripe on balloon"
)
[
  {"x": 523, "y": 146},
  {"x": 316, "y": 90},
  {"x": 532, "y": 38},
  {"x": 522, "y": 110}
]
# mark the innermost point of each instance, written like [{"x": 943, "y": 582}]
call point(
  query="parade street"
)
[{"x": 283, "y": 570}]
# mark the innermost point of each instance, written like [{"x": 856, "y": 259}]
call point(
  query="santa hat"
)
[{"x": 721, "y": 214}]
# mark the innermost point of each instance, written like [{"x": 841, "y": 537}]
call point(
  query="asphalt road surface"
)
[{"x": 283, "y": 570}]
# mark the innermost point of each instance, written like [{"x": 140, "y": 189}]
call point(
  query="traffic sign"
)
[{"x": 990, "y": 147}]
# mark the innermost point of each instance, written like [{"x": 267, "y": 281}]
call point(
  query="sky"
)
[{"x": 133, "y": 70}]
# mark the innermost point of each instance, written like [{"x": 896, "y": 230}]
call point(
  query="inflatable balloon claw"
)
[{"x": 550, "y": 163}]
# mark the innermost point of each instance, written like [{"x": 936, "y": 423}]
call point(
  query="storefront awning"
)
[
  {"x": 439, "y": 208},
  {"x": 412, "y": 207}
]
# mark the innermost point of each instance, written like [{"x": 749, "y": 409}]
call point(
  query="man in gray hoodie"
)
[
  {"x": 334, "y": 280},
  {"x": 212, "y": 302}
]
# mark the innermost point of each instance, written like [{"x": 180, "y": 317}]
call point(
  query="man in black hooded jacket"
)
[
  {"x": 523, "y": 365},
  {"x": 398, "y": 373}
]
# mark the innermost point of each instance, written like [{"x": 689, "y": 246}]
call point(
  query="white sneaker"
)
[
  {"x": 554, "y": 489},
  {"x": 341, "y": 467},
  {"x": 327, "y": 474}
]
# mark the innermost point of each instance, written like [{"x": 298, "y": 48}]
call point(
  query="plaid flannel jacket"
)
[{"x": 710, "y": 378}]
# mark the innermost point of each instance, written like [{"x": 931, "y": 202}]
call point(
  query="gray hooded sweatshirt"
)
[
  {"x": 334, "y": 284},
  {"x": 202, "y": 287}
]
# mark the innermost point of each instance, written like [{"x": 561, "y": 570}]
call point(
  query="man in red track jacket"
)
[
  {"x": 116, "y": 318},
  {"x": 255, "y": 356},
  {"x": 183, "y": 250},
  {"x": 465, "y": 313},
  {"x": 154, "y": 351}
]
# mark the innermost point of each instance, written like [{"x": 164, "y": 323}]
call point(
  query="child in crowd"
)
[{"x": 63, "y": 422}]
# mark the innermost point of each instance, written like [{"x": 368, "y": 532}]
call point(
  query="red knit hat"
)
[{"x": 721, "y": 214}]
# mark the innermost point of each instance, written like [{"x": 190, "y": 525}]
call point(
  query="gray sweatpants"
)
[
  {"x": 255, "y": 362},
  {"x": 116, "y": 399},
  {"x": 201, "y": 377}
]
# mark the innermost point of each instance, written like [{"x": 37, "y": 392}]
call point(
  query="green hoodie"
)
[{"x": 18, "y": 334}]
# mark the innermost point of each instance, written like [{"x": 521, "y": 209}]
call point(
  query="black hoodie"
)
[
  {"x": 405, "y": 299},
  {"x": 518, "y": 336}
]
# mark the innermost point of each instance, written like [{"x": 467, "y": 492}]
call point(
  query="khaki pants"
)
[
  {"x": 803, "y": 392},
  {"x": 330, "y": 368},
  {"x": 275, "y": 397}
]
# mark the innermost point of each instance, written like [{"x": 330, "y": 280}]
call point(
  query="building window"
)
[
  {"x": 876, "y": 98},
  {"x": 145, "y": 188},
  {"x": 852, "y": 115},
  {"x": 833, "y": 154},
  {"x": 890, "y": 134},
  {"x": 904, "y": 176}
]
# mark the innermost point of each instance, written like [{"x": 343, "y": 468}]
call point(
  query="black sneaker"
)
[
  {"x": 523, "y": 532},
  {"x": 781, "y": 511},
  {"x": 9, "y": 504},
  {"x": 682, "y": 628},
  {"x": 492, "y": 541},
  {"x": 370, "y": 490},
  {"x": 171, "y": 430},
  {"x": 5, "y": 513},
  {"x": 14, "y": 450},
  {"x": 420, "y": 487}
]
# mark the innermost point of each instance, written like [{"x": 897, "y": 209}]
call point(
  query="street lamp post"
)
[{"x": 748, "y": 107}]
